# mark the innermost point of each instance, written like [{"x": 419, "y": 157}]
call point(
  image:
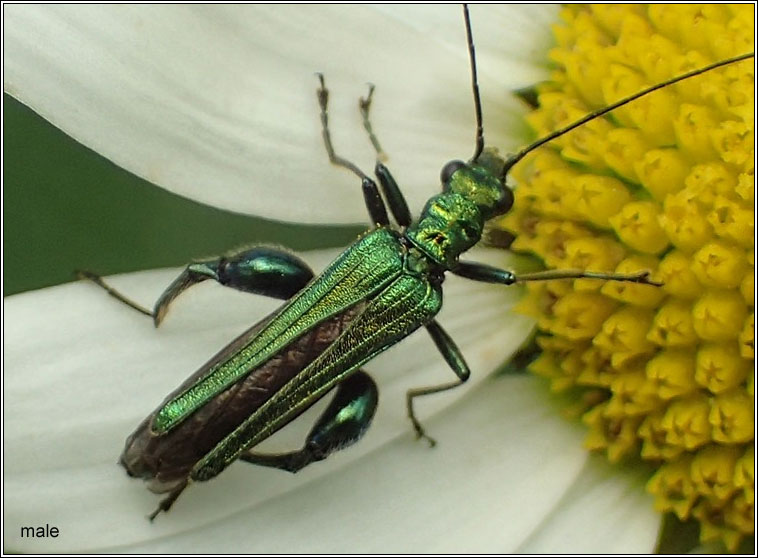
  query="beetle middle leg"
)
[
  {"x": 453, "y": 356},
  {"x": 261, "y": 270},
  {"x": 343, "y": 423}
]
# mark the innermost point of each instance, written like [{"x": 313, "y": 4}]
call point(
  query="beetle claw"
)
[{"x": 421, "y": 434}]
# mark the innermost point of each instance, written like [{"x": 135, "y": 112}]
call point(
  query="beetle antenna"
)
[
  {"x": 512, "y": 160},
  {"x": 475, "y": 87}
]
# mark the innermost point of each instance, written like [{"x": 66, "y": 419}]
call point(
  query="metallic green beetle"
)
[{"x": 381, "y": 289}]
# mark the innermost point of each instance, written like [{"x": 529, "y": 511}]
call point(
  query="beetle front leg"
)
[
  {"x": 453, "y": 356},
  {"x": 374, "y": 203},
  {"x": 395, "y": 199},
  {"x": 343, "y": 423},
  {"x": 260, "y": 270}
]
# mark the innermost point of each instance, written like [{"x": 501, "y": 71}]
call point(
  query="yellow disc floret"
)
[{"x": 665, "y": 184}]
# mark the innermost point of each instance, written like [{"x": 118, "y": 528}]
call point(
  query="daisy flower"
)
[{"x": 667, "y": 184}]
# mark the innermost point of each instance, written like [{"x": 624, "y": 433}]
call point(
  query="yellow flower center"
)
[{"x": 665, "y": 184}]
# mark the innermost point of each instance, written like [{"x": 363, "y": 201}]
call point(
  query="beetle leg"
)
[
  {"x": 374, "y": 203},
  {"x": 489, "y": 274},
  {"x": 260, "y": 270},
  {"x": 453, "y": 356},
  {"x": 168, "y": 501},
  {"x": 395, "y": 198},
  {"x": 364, "y": 104},
  {"x": 97, "y": 280},
  {"x": 343, "y": 423},
  {"x": 393, "y": 195}
]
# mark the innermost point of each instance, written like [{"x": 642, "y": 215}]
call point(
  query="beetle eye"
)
[
  {"x": 505, "y": 203},
  {"x": 448, "y": 170},
  {"x": 469, "y": 231}
]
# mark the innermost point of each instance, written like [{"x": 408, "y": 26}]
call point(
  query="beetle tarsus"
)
[
  {"x": 168, "y": 501},
  {"x": 97, "y": 280},
  {"x": 364, "y": 105},
  {"x": 420, "y": 433}
]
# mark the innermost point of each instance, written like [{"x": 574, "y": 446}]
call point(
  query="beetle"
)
[{"x": 384, "y": 286}]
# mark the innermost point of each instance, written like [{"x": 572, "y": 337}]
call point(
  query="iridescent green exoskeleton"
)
[{"x": 377, "y": 292}]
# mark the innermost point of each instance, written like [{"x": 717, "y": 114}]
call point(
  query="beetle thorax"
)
[
  {"x": 452, "y": 222},
  {"x": 449, "y": 225}
]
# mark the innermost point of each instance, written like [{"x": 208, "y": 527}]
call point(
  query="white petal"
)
[
  {"x": 607, "y": 511},
  {"x": 218, "y": 103},
  {"x": 503, "y": 461},
  {"x": 82, "y": 370}
]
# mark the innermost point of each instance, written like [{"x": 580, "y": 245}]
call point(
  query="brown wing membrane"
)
[{"x": 167, "y": 459}]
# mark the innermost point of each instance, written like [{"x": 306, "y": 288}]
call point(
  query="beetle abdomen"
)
[{"x": 166, "y": 459}]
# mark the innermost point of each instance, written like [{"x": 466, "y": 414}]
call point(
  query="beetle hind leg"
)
[
  {"x": 260, "y": 270},
  {"x": 343, "y": 423},
  {"x": 168, "y": 501}
]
